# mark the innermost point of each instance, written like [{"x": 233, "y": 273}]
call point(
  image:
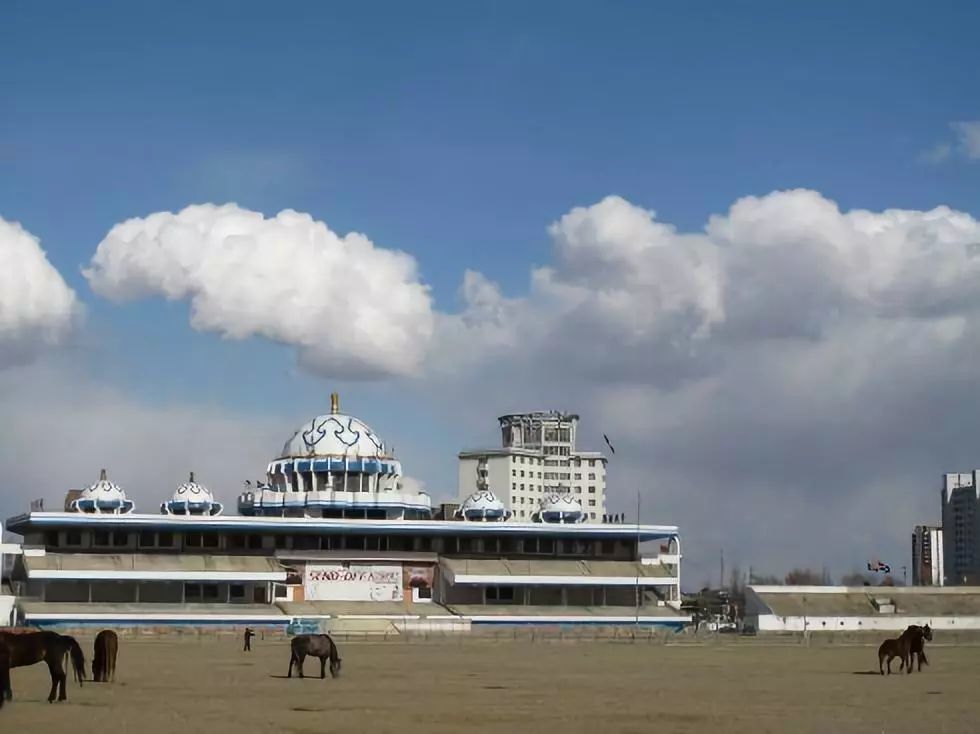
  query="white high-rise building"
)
[
  {"x": 537, "y": 458},
  {"x": 927, "y": 556}
]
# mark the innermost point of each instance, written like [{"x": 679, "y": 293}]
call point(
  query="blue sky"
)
[{"x": 454, "y": 132}]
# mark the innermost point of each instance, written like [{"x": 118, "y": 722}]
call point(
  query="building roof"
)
[
  {"x": 844, "y": 601},
  {"x": 169, "y": 566},
  {"x": 38, "y": 610},
  {"x": 322, "y": 526}
]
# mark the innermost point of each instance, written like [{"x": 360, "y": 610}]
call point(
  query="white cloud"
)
[
  {"x": 351, "y": 309},
  {"x": 968, "y": 138},
  {"x": 37, "y": 308}
]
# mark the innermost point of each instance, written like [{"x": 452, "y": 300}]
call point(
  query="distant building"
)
[
  {"x": 960, "y": 531},
  {"x": 538, "y": 467},
  {"x": 927, "y": 556}
]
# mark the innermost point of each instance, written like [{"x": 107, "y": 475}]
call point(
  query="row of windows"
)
[
  {"x": 150, "y": 540},
  {"x": 539, "y": 488},
  {"x": 550, "y": 462}
]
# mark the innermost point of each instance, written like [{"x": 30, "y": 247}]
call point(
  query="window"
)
[
  {"x": 500, "y": 594},
  {"x": 73, "y": 537},
  {"x": 522, "y": 487},
  {"x": 192, "y": 540},
  {"x": 280, "y": 592},
  {"x": 237, "y": 591},
  {"x": 165, "y": 540},
  {"x": 513, "y": 472},
  {"x": 578, "y": 490},
  {"x": 591, "y": 462},
  {"x": 522, "y": 461},
  {"x": 591, "y": 503},
  {"x": 236, "y": 542},
  {"x": 210, "y": 592},
  {"x": 592, "y": 516},
  {"x": 513, "y": 485},
  {"x": 192, "y": 592},
  {"x": 120, "y": 539},
  {"x": 51, "y": 538},
  {"x": 148, "y": 539},
  {"x": 578, "y": 475},
  {"x": 255, "y": 542},
  {"x": 522, "y": 472},
  {"x": 591, "y": 475},
  {"x": 591, "y": 490},
  {"x": 100, "y": 537}
]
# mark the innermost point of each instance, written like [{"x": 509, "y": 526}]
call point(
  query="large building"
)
[
  {"x": 538, "y": 461},
  {"x": 961, "y": 533},
  {"x": 332, "y": 538},
  {"x": 927, "y": 556}
]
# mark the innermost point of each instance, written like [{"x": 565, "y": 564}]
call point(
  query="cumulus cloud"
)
[
  {"x": 787, "y": 383},
  {"x": 37, "y": 308},
  {"x": 351, "y": 309}
]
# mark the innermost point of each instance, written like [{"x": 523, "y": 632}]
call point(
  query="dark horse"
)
[
  {"x": 317, "y": 646},
  {"x": 4, "y": 672},
  {"x": 909, "y": 642},
  {"x": 104, "y": 659},
  {"x": 51, "y": 648},
  {"x": 917, "y": 648}
]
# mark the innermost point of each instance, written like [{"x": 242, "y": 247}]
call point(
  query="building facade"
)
[
  {"x": 537, "y": 461},
  {"x": 927, "y": 556},
  {"x": 331, "y": 538},
  {"x": 961, "y": 554}
]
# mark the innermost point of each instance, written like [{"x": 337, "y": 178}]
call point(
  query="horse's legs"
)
[
  {"x": 881, "y": 663},
  {"x": 292, "y": 659},
  {"x": 323, "y": 667},
  {"x": 54, "y": 681},
  {"x": 923, "y": 658}
]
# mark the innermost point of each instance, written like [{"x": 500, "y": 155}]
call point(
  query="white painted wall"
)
[
  {"x": 6, "y": 611},
  {"x": 884, "y": 623}
]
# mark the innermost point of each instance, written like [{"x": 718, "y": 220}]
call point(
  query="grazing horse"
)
[
  {"x": 901, "y": 647},
  {"x": 104, "y": 659},
  {"x": 317, "y": 646},
  {"x": 48, "y": 647}
]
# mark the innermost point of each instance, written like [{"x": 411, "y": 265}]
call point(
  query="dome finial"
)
[
  {"x": 334, "y": 403},
  {"x": 192, "y": 477},
  {"x": 102, "y": 476}
]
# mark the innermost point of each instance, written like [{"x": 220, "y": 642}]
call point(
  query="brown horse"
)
[
  {"x": 48, "y": 647},
  {"x": 902, "y": 647},
  {"x": 317, "y": 646},
  {"x": 104, "y": 658}
]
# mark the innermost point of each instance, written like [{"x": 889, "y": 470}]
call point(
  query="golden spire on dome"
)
[{"x": 334, "y": 403}]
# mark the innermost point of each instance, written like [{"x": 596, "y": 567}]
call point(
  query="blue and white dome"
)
[
  {"x": 336, "y": 435},
  {"x": 191, "y": 498},
  {"x": 483, "y": 505},
  {"x": 559, "y": 507},
  {"x": 102, "y": 497}
]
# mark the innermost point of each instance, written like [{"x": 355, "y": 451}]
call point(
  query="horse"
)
[
  {"x": 104, "y": 658},
  {"x": 51, "y": 648},
  {"x": 901, "y": 647},
  {"x": 4, "y": 672},
  {"x": 318, "y": 646},
  {"x": 917, "y": 648}
]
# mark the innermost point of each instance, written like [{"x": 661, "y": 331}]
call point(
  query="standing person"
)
[{"x": 249, "y": 634}]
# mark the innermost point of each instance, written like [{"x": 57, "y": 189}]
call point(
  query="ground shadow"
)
[{"x": 867, "y": 672}]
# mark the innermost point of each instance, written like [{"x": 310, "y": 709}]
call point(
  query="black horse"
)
[
  {"x": 51, "y": 648},
  {"x": 4, "y": 672},
  {"x": 104, "y": 657},
  {"x": 917, "y": 648},
  {"x": 902, "y": 647},
  {"x": 317, "y": 646}
]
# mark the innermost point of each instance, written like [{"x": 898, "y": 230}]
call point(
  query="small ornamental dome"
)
[
  {"x": 335, "y": 435},
  {"x": 102, "y": 497},
  {"x": 483, "y": 505},
  {"x": 559, "y": 507},
  {"x": 191, "y": 498}
]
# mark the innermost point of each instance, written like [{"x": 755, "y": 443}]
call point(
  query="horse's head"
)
[
  {"x": 927, "y": 633},
  {"x": 335, "y": 667}
]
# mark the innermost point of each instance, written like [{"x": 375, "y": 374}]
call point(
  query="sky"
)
[{"x": 740, "y": 239}]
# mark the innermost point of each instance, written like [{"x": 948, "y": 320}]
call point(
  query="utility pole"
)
[
  {"x": 721, "y": 575},
  {"x": 636, "y": 590}
]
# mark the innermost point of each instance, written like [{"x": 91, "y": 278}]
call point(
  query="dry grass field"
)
[{"x": 483, "y": 686}]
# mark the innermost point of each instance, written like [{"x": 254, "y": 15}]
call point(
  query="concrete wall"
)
[{"x": 884, "y": 623}]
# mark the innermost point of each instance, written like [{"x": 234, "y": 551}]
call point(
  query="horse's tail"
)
[{"x": 77, "y": 659}]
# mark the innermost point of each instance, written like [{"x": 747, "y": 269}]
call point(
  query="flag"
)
[{"x": 606, "y": 438}]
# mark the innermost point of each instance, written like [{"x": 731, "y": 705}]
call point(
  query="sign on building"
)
[{"x": 353, "y": 582}]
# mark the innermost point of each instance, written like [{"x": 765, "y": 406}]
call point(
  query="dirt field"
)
[{"x": 211, "y": 686}]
